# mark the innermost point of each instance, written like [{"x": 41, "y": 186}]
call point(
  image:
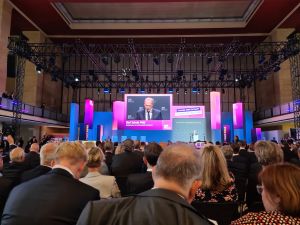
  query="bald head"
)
[
  {"x": 47, "y": 154},
  {"x": 35, "y": 147},
  {"x": 179, "y": 163}
]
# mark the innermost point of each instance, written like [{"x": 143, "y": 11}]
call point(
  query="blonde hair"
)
[
  {"x": 119, "y": 150},
  {"x": 95, "y": 157},
  {"x": 215, "y": 175},
  {"x": 17, "y": 155},
  {"x": 283, "y": 180},
  {"x": 72, "y": 151},
  {"x": 268, "y": 153},
  {"x": 89, "y": 144}
]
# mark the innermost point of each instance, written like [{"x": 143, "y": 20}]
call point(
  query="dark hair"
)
[
  {"x": 127, "y": 145},
  {"x": 152, "y": 152}
]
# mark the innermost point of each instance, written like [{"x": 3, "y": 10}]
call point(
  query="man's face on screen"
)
[{"x": 148, "y": 104}]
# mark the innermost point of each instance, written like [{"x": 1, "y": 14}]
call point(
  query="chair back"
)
[{"x": 223, "y": 213}]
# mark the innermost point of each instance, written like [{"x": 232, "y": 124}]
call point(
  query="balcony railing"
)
[
  {"x": 9, "y": 104},
  {"x": 275, "y": 111}
]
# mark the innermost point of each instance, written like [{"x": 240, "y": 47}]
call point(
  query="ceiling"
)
[{"x": 152, "y": 20}]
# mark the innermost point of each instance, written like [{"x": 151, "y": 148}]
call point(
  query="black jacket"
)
[
  {"x": 33, "y": 173},
  {"x": 156, "y": 206}
]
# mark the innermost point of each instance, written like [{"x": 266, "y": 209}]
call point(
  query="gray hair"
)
[
  {"x": 179, "y": 163},
  {"x": 227, "y": 151},
  {"x": 268, "y": 153},
  {"x": 47, "y": 153}
]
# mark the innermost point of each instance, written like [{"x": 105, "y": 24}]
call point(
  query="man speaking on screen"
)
[{"x": 148, "y": 113}]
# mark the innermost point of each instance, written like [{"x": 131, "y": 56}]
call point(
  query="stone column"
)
[{"x": 5, "y": 23}]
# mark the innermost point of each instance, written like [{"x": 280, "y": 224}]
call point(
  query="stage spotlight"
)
[
  {"x": 76, "y": 79},
  {"x": 209, "y": 60},
  {"x": 156, "y": 59},
  {"x": 194, "y": 90},
  {"x": 261, "y": 59},
  {"x": 170, "y": 90},
  {"x": 117, "y": 58},
  {"x": 276, "y": 68},
  {"x": 106, "y": 90},
  {"x": 38, "y": 69},
  {"x": 142, "y": 90},
  {"x": 206, "y": 91},
  {"x": 185, "y": 91},
  {"x": 177, "y": 91},
  {"x": 104, "y": 59},
  {"x": 198, "y": 91},
  {"x": 122, "y": 90},
  {"x": 170, "y": 58}
]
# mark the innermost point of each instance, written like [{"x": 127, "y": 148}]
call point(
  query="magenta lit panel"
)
[
  {"x": 118, "y": 115},
  {"x": 238, "y": 115},
  {"x": 215, "y": 110},
  {"x": 89, "y": 113}
]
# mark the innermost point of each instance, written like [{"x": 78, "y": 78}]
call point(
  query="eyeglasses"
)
[{"x": 259, "y": 189}]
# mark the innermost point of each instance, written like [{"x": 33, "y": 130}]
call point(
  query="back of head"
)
[
  {"x": 152, "y": 152},
  {"x": 89, "y": 144},
  {"x": 242, "y": 144},
  {"x": 179, "y": 163},
  {"x": 10, "y": 139},
  {"x": 215, "y": 175},
  {"x": 127, "y": 145},
  {"x": 283, "y": 180},
  {"x": 137, "y": 144},
  {"x": 227, "y": 151},
  {"x": 35, "y": 147},
  {"x": 17, "y": 155},
  {"x": 268, "y": 153},
  {"x": 47, "y": 154},
  {"x": 108, "y": 146},
  {"x": 73, "y": 152},
  {"x": 95, "y": 157}
]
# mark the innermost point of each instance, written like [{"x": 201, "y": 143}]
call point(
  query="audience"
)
[
  {"x": 106, "y": 185},
  {"x": 280, "y": 192},
  {"x": 55, "y": 198},
  {"x": 16, "y": 166},
  {"x": 176, "y": 179},
  {"x": 109, "y": 153},
  {"x": 47, "y": 156},
  {"x": 267, "y": 153},
  {"x": 217, "y": 184},
  {"x": 127, "y": 162},
  {"x": 32, "y": 159},
  {"x": 139, "y": 182}
]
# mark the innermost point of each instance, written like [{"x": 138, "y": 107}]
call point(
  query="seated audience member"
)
[
  {"x": 142, "y": 147},
  {"x": 9, "y": 146},
  {"x": 280, "y": 192},
  {"x": 238, "y": 169},
  {"x": 267, "y": 153},
  {"x": 127, "y": 162},
  {"x": 32, "y": 159},
  {"x": 137, "y": 148},
  {"x": 16, "y": 166},
  {"x": 55, "y": 198},
  {"x": 106, "y": 185},
  {"x": 217, "y": 184},
  {"x": 47, "y": 156},
  {"x": 139, "y": 182},
  {"x": 176, "y": 179},
  {"x": 296, "y": 161},
  {"x": 109, "y": 153}
]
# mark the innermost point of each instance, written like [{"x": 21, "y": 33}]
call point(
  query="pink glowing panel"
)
[
  {"x": 89, "y": 113},
  {"x": 238, "y": 115},
  {"x": 215, "y": 110},
  {"x": 118, "y": 115}
]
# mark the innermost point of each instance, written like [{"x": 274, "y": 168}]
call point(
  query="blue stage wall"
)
[{"x": 182, "y": 129}]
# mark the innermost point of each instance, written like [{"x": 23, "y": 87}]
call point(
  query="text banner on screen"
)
[{"x": 188, "y": 111}]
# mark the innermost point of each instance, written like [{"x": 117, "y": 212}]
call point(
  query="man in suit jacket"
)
[
  {"x": 176, "y": 179},
  {"x": 32, "y": 159},
  {"x": 140, "y": 182},
  {"x": 148, "y": 113},
  {"x": 56, "y": 198},
  {"x": 47, "y": 156},
  {"x": 127, "y": 162}
]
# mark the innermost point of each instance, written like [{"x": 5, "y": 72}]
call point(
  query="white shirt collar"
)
[{"x": 64, "y": 168}]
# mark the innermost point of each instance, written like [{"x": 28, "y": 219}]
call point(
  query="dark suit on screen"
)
[
  {"x": 156, "y": 206},
  {"x": 35, "y": 172},
  {"x": 156, "y": 115},
  {"x": 55, "y": 198}
]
